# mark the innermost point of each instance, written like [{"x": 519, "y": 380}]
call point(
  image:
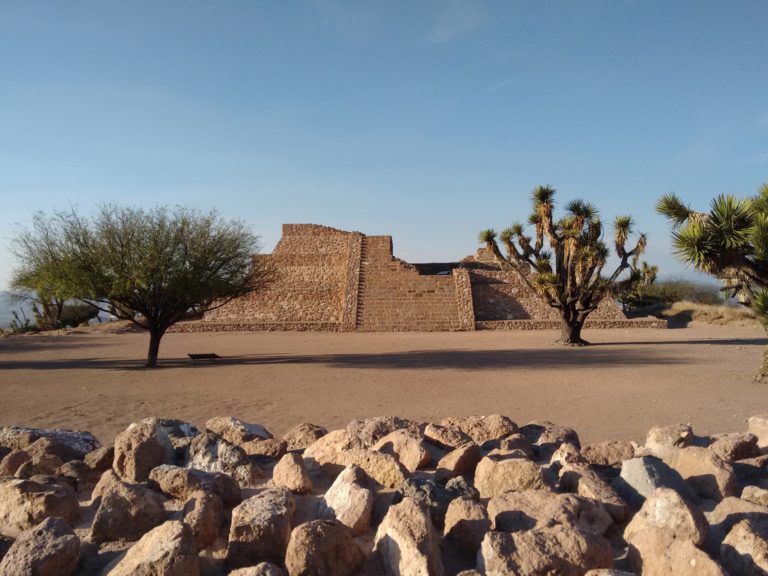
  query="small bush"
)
[{"x": 670, "y": 291}]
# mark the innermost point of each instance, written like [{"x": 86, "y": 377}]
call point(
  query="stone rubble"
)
[{"x": 465, "y": 496}]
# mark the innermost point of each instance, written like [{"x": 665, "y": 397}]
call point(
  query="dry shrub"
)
[{"x": 720, "y": 315}]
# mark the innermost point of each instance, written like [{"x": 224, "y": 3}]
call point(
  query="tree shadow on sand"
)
[{"x": 554, "y": 358}]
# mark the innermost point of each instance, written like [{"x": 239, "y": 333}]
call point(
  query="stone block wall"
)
[{"x": 332, "y": 280}]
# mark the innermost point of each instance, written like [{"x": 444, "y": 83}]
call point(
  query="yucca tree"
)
[
  {"x": 729, "y": 242},
  {"x": 563, "y": 259}
]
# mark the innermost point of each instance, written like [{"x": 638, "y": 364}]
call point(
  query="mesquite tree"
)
[
  {"x": 563, "y": 260},
  {"x": 729, "y": 242},
  {"x": 152, "y": 267}
]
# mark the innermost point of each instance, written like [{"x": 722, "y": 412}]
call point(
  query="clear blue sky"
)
[{"x": 426, "y": 120}]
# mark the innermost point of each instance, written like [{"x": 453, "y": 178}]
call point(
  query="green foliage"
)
[
  {"x": 569, "y": 272},
  {"x": 730, "y": 241},
  {"x": 148, "y": 266},
  {"x": 21, "y": 324}
]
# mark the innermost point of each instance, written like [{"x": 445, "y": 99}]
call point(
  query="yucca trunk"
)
[{"x": 570, "y": 329}]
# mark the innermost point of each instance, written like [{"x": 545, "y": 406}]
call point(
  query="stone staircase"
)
[{"x": 362, "y": 282}]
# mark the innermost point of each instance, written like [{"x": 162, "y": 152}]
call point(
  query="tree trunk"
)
[
  {"x": 154, "y": 347},
  {"x": 570, "y": 333}
]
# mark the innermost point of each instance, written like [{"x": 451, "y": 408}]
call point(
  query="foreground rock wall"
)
[{"x": 468, "y": 496}]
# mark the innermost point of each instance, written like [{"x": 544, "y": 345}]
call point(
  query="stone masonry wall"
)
[
  {"x": 396, "y": 297},
  {"x": 311, "y": 283}
]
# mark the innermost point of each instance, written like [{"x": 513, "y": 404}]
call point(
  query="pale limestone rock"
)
[
  {"x": 567, "y": 453},
  {"x": 546, "y": 438},
  {"x": 366, "y": 432},
  {"x": 466, "y": 523},
  {"x": 261, "y": 528},
  {"x": 755, "y": 495},
  {"x": 409, "y": 451},
  {"x": 322, "y": 547},
  {"x": 665, "y": 509},
  {"x": 558, "y": 550},
  {"x": 235, "y": 431},
  {"x": 446, "y": 436},
  {"x": 126, "y": 511},
  {"x": 167, "y": 550},
  {"x": 212, "y": 453},
  {"x": 139, "y": 448},
  {"x": 460, "y": 461},
  {"x": 181, "y": 483},
  {"x": 586, "y": 482},
  {"x": 348, "y": 502},
  {"x": 290, "y": 473},
  {"x": 326, "y": 449},
  {"x": 382, "y": 468},
  {"x": 657, "y": 552},
  {"x": 529, "y": 509},
  {"x": 707, "y": 473},
  {"x": 663, "y": 437},
  {"x": 496, "y": 477},
  {"x": 303, "y": 436},
  {"x": 745, "y": 550},
  {"x": 483, "y": 428},
  {"x": 757, "y": 425},
  {"x": 18, "y": 437},
  {"x": 733, "y": 447},
  {"x": 204, "y": 514},
  {"x": 261, "y": 569},
  {"x": 48, "y": 549},
  {"x": 611, "y": 453},
  {"x": 25, "y": 503},
  {"x": 407, "y": 543}
]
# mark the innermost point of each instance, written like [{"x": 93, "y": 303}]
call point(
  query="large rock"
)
[
  {"x": 466, "y": 523},
  {"x": 757, "y": 425},
  {"x": 181, "y": 483},
  {"x": 18, "y": 437},
  {"x": 261, "y": 528},
  {"x": 211, "y": 453},
  {"x": 167, "y": 550},
  {"x": 126, "y": 511},
  {"x": 365, "y": 433},
  {"x": 326, "y": 450},
  {"x": 558, "y": 550},
  {"x": 657, "y": 552},
  {"x": 666, "y": 509},
  {"x": 530, "y": 509},
  {"x": 382, "y": 468},
  {"x": 494, "y": 477},
  {"x": 321, "y": 547},
  {"x": 48, "y": 549},
  {"x": 662, "y": 437},
  {"x": 407, "y": 543},
  {"x": 745, "y": 550},
  {"x": 290, "y": 473},
  {"x": 483, "y": 428},
  {"x": 204, "y": 514},
  {"x": 546, "y": 437},
  {"x": 303, "y": 436},
  {"x": 100, "y": 459},
  {"x": 235, "y": 431},
  {"x": 732, "y": 447},
  {"x": 729, "y": 512},
  {"x": 13, "y": 461},
  {"x": 446, "y": 436},
  {"x": 611, "y": 453},
  {"x": 586, "y": 482},
  {"x": 408, "y": 450},
  {"x": 25, "y": 503},
  {"x": 139, "y": 448},
  {"x": 179, "y": 432},
  {"x": 755, "y": 495},
  {"x": 460, "y": 461},
  {"x": 640, "y": 477},
  {"x": 706, "y": 472},
  {"x": 435, "y": 497},
  {"x": 261, "y": 569},
  {"x": 348, "y": 502}
]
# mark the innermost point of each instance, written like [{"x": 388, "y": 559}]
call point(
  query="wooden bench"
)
[{"x": 210, "y": 356}]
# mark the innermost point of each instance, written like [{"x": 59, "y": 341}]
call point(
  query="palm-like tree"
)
[
  {"x": 568, "y": 273},
  {"x": 729, "y": 242}
]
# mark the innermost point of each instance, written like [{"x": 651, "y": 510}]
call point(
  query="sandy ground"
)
[{"x": 628, "y": 381}]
